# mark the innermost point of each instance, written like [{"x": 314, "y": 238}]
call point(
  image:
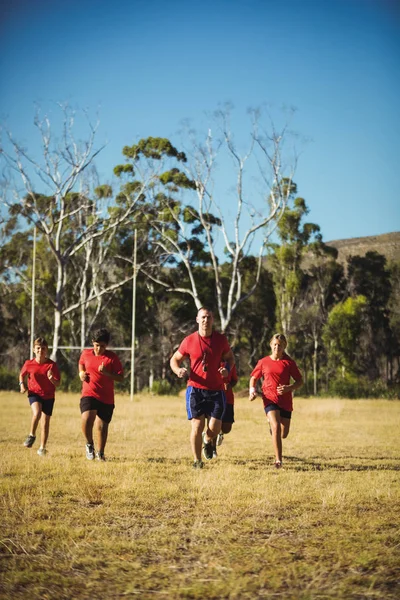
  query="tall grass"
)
[{"x": 145, "y": 525}]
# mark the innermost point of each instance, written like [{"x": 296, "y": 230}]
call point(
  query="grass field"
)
[{"x": 146, "y": 525}]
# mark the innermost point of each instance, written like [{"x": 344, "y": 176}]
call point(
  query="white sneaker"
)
[
  {"x": 220, "y": 439},
  {"x": 90, "y": 451},
  {"x": 42, "y": 451}
]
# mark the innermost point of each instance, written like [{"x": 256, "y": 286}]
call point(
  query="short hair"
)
[
  {"x": 207, "y": 308},
  {"x": 40, "y": 341},
  {"x": 101, "y": 335},
  {"x": 278, "y": 336}
]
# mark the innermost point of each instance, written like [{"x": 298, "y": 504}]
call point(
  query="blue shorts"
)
[
  {"x": 104, "y": 411},
  {"x": 47, "y": 405},
  {"x": 228, "y": 414},
  {"x": 204, "y": 402},
  {"x": 286, "y": 414}
]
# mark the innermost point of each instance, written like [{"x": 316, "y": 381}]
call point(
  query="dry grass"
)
[{"x": 145, "y": 525}]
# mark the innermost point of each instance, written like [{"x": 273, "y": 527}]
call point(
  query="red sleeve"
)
[
  {"x": 24, "y": 370},
  {"x": 257, "y": 371},
  {"x": 56, "y": 372},
  {"x": 294, "y": 371},
  {"x": 117, "y": 366}
]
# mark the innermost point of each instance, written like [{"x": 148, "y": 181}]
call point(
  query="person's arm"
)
[
  {"x": 52, "y": 379},
  {"x": 83, "y": 376},
  {"x": 23, "y": 382},
  {"x": 229, "y": 359},
  {"x": 110, "y": 374},
  {"x": 175, "y": 364},
  {"x": 285, "y": 389},
  {"x": 252, "y": 388}
]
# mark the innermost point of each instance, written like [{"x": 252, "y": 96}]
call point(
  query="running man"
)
[
  {"x": 98, "y": 369},
  {"x": 205, "y": 395},
  {"x": 277, "y": 370},
  {"x": 39, "y": 377}
]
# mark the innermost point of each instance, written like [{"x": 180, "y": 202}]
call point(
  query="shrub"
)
[{"x": 8, "y": 379}]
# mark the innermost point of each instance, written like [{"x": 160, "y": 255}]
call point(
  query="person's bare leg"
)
[
  {"x": 275, "y": 424},
  {"x": 87, "y": 421},
  {"x": 36, "y": 414},
  {"x": 44, "y": 429},
  {"x": 196, "y": 437},
  {"x": 213, "y": 429},
  {"x": 285, "y": 427},
  {"x": 101, "y": 433}
]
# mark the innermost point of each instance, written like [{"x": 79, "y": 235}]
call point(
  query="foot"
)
[
  {"x": 42, "y": 451},
  {"x": 207, "y": 448},
  {"x": 278, "y": 464},
  {"x": 198, "y": 464},
  {"x": 100, "y": 456},
  {"x": 90, "y": 451},
  {"x": 30, "y": 440},
  {"x": 220, "y": 438}
]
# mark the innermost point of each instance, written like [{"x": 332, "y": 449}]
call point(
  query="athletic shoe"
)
[
  {"x": 220, "y": 438},
  {"x": 215, "y": 455},
  {"x": 100, "y": 456},
  {"x": 42, "y": 451},
  {"x": 90, "y": 451},
  {"x": 198, "y": 464},
  {"x": 30, "y": 440},
  {"x": 207, "y": 448},
  {"x": 278, "y": 464}
]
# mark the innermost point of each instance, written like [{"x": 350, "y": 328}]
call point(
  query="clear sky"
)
[{"x": 148, "y": 64}]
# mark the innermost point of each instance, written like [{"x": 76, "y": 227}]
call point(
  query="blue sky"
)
[{"x": 147, "y": 65}]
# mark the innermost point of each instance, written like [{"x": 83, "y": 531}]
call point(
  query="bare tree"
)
[
  {"x": 189, "y": 233},
  {"x": 69, "y": 217}
]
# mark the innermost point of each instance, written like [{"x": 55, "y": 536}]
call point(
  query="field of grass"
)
[{"x": 145, "y": 525}]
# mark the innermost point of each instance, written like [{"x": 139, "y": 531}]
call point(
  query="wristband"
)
[{"x": 252, "y": 390}]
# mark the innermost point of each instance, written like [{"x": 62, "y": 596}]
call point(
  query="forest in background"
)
[{"x": 260, "y": 265}]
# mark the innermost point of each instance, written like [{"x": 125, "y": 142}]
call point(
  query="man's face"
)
[
  {"x": 205, "y": 320},
  {"x": 99, "y": 348}
]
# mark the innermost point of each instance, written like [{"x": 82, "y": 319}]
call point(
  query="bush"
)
[
  {"x": 360, "y": 387},
  {"x": 163, "y": 387},
  {"x": 8, "y": 379}
]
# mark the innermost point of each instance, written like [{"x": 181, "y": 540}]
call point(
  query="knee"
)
[{"x": 226, "y": 427}]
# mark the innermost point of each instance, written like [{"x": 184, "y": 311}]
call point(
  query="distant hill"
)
[{"x": 387, "y": 244}]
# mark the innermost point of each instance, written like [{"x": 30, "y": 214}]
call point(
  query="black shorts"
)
[
  {"x": 47, "y": 405},
  {"x": 286, "y": 414},
  {"x": 104, "y": 411},
  {"x": 228, "y": 416},
  {"x": 204, "y": 402}
]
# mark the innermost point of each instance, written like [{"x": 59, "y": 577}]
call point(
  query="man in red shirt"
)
[
  {"x": 98, "y": 369},
  {"x": 39, "y": 377},
  {"x": 277, "y": 371},
  {"x": 206, "y": 349}
]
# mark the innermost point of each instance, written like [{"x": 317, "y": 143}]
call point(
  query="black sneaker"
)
[
  {"x": 30, "y": 440},
  {"x": 100, "y": 456},
  {"x": 198, "y": 464},
  {"x": 90, "y": 451},
  {"x": 208, "y": 450}
]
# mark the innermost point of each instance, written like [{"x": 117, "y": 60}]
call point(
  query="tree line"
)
[{"x": 252, "y": 257}]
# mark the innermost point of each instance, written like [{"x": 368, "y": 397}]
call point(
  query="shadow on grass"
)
[{"x": 294, "y": 463}]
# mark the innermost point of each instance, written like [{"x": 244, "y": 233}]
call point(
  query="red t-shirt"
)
[
  {"x": 38, "y": 382},
  {"x": 100, "y": 386},
  {"x": 276, "y": 372},
  {"x": 213, "y": 348},
  {"x": 232, "y": 380}
]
